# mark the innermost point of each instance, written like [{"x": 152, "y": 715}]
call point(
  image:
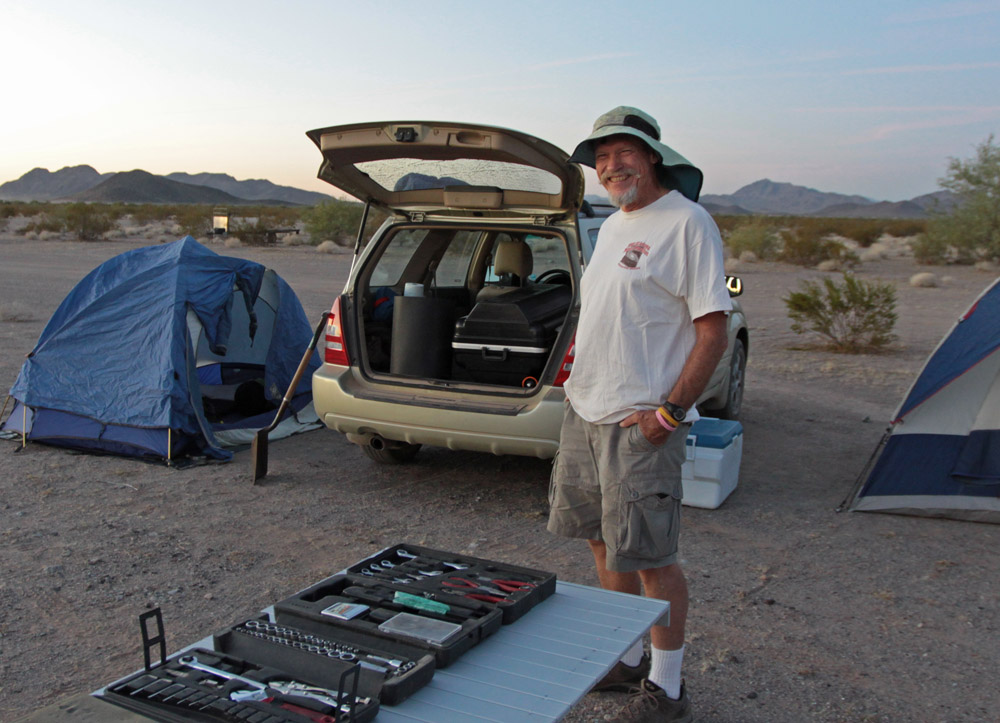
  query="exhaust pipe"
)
[{"x": 376, "y": 442}]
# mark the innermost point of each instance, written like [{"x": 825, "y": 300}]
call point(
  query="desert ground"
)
[{"x": 798, "y": 613}]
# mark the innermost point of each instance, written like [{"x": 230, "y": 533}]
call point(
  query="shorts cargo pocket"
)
[
  {"x": 574, "y": 506},
  {"x": 651, "y": 524}
]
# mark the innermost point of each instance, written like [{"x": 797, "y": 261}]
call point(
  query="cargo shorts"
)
[{"x": 612, "y": 484}]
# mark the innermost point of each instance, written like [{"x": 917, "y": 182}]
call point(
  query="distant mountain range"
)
[
  {"x": 786, "y": 199},
  {"x": 83, "y": 183}
]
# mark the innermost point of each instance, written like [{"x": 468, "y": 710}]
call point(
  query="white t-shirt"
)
[{"x": 653, "y": 271}]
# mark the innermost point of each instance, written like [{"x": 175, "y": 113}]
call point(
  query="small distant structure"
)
[{"x": 220, "y": 221}]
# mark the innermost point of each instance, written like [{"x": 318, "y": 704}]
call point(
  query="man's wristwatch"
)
[{"x": 675, "y": 410}]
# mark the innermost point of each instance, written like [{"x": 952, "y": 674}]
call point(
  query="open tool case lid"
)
[{"x": 181, "y": 690}]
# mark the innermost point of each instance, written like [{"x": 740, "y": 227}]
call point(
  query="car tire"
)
[
  {"x": 737, "y": 381},
  {"x": 399, "y": 453}
]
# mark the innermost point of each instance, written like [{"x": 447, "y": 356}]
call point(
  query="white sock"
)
[
  {"x": 634, "y": 654},
  {"x": 665, "y": 670}
]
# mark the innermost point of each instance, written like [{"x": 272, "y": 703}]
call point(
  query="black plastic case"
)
[
  {"x": 508, "y": 337},
  {"x": 405, "y": 561},
  {"x": 472, "y": 620},
  {"x": 175, "y": 691},
  {"x": 389, "y": 675}
]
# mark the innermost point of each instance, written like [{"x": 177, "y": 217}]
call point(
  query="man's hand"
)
[{"x": 651, "y": 429}]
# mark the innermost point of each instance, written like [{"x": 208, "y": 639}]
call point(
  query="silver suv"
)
[{"x": 456, "y": 325}]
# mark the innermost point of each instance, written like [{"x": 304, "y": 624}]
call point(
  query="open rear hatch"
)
[{"x": 448, "y": 168}]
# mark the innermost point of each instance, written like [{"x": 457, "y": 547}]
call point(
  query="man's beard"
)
[{"x": 627, "y": 197}]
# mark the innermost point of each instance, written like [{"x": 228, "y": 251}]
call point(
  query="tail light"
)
[
  {"x": 335, "y": 350},
  {"x": 566, "y": 365}
]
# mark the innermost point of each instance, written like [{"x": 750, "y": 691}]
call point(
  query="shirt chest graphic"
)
[{"x": 634, "y": 256}]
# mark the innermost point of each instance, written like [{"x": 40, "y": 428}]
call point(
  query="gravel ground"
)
[{"x": 798, "y": 613}]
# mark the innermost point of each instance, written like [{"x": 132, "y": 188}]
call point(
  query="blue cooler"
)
[{"x": 712, "y": 467}]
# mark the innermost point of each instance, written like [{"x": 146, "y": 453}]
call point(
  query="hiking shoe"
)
[
  {"x": 649, "y": 703},
  {"x": 623, "y": 678}
]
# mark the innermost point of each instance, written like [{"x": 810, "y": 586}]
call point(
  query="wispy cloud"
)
[
  {"x": 580, "y": 61},
  {"x": 940, "y": 68},
  {"x": 944, "y": 11},
  {"x": 886, "y": 131},
  {"x": 852, "y": 109}
]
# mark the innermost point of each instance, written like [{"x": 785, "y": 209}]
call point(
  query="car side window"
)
[
  {"x": 547, "y": 253},
  {"x": 454, "y": 266},
  {"x": 396, "y": 256}
]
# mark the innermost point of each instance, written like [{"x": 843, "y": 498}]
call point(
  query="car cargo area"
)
[{"x": 464, "y": 305}]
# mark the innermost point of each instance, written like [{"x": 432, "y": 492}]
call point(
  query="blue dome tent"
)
[
  {"x": 166, "y": 352},
  {"x": 941, "y": 456}
]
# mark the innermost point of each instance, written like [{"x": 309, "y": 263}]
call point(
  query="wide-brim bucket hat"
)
[{"x": 625, "y": 120}]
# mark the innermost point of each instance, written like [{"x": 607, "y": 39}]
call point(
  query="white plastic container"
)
[{"x": 712, "y": 468}]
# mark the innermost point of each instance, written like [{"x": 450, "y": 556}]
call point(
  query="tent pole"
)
[
  {"x": 169, "y": 445},
  {"x": 24, "y": 425},
  {"x": 863, "y": 475}
]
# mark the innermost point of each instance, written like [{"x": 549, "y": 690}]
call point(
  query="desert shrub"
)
[
  {"x": 335, "y": 221},
  {"x": 865, "y": 231},
  {"x": 193, "y": 219},
  {"x": 903, "y": 227},
  {"x": 88, "y": 222},
  {"x": 147, "y": 213},
  {"x": 853, "y": 317},
  {"x": 756, "y": 235},
  {"x": 728, "y": 223},
  {"x": 809, "y": 244}
]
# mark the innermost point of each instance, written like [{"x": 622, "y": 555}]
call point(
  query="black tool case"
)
[
  {"x": 176, "y": 691},
  {"x": 446, "y": 635},
  {"x": 389, "y": 675},
  {"x": 412, "y": 562},
  {"x": 508, "y": 337}
]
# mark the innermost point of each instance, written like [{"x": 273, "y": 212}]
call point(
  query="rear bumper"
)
[{"x": 482, "y": 423}]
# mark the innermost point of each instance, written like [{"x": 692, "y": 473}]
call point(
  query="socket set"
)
[{"x": 389, "y": 672}]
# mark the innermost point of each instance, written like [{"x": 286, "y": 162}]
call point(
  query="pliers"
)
[
  {"x": 476, "y": 591},
  {"x": 508, "y": 586}
]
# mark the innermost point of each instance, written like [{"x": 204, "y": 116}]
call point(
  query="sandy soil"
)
[{"x": 798, "y": 613}]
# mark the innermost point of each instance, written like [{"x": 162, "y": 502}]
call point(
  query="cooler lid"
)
[{"x": 714, "y": 433}]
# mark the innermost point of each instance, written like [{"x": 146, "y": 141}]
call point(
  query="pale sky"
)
[{"x": 853, "y": 97}]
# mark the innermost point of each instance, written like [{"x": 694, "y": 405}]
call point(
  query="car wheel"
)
[
  {"x": 737, "y": 381},
  {"x": 399, "y": 453}
]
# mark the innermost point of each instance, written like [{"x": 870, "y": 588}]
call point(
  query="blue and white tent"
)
[
  {"x": 166, "y": 352},
  {"x": 941, "y": 456}
]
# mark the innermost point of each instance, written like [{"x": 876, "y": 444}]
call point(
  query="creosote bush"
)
[
  {"x": 338, "y": 221},
  {"x": 757, "y": 235},
  {"x": 811, "y": 244},
  {"x": 854, "y": 317}
]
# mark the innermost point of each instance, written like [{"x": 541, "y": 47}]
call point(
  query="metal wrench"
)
[{"x": 190, "y": 661}]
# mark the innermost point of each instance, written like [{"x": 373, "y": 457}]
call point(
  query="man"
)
[{"x": 652, "y": 330}]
